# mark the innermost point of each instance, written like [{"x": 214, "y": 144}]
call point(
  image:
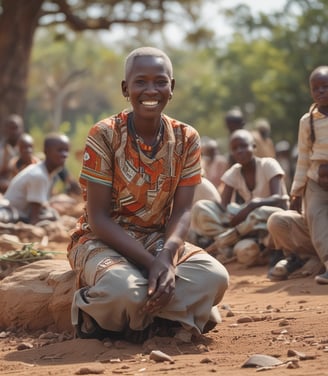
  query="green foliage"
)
[{"x": 263, "y": 69}]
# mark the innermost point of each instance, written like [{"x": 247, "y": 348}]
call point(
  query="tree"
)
[
  {"x": 269, "y": 60},
  {"x": 19, "y": 20}
]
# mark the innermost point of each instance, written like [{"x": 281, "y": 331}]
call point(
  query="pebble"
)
[
  {"x": 24, "y": 346},
  {"x": 244, "y": 319},
  {"x": 160, "y": 356},
  {"x": 90, "y": 371}
]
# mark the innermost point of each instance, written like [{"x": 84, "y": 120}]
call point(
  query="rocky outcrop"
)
[{"x": 38, "y": 296}]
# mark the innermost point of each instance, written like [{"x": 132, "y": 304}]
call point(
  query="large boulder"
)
[{"x": 38, "y": 296}]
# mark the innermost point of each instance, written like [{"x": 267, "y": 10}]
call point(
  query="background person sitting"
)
[
  {"x": 13, "y": 128},
  {"x": 25, "y": 157},
  {"x": 28, "y": 194},
  {"x": 259, "y": 181}
]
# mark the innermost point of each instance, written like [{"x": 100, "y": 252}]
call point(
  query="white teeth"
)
[{"x": 150, "y": 103}]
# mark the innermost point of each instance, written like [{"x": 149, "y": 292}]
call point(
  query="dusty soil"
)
[{"x": 259, "y": 317}]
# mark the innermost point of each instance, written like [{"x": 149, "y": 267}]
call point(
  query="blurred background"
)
[{"x": 61, "y": 61}]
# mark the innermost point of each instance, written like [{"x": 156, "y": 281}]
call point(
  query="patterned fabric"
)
[
  {"x": 310, "y": 155},
  {"x": 142, "y": 187}
]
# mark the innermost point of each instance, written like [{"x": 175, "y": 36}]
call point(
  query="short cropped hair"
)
[
  {"x": 244, "y": 134},
  {"x": 147, "y": 51},
  {"x": 53, "y": 138}
]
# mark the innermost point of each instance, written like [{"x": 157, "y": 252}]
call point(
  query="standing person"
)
[
  {"x": 234, "y": 119},
  {"x": 303, "y": 229},
  {"x": 139, "y": 172},
  {"x": 29, "y": 191},
  {"x": 260, "y": 183},
  {"x": 13, "y": 128}
]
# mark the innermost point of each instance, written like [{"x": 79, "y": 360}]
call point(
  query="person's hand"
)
[
  {"x": 243, "y": 213},
  {"x": 161, "y": 283},
  {"x": 296, "y": 203}
]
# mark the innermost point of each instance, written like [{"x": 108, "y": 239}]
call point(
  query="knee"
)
[
  {"x": 218, "y": 276},
  {"x": 118, "y": 286},
  {"x": 274, "y": 222}
]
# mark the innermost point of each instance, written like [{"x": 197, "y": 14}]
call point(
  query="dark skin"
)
[
  {"x": 12, "y": 131},
  {"x": 149, "y": 86},
  {"x": 56, "y": 153},
  {"x": 242, "y": 149},
  {"x": 318, "y": 83}
]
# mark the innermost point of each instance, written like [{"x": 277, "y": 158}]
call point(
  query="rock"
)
[
  {"x": 261, "y": 360},
  {"x": 244, "y": 319},
  {"x": 38, "y": 296},
  {"x": 300, "y": 355},
  {"x": 9, "y": 242},
  {"x": 25, "y": 232},
  {"x": 92, "y": 370},
  {"x": 159, "y": 356}
]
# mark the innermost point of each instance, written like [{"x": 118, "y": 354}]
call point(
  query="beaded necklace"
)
[{"x": 140, "y": 143}]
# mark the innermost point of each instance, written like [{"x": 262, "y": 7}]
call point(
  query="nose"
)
[{"x": 151, "y": 88}]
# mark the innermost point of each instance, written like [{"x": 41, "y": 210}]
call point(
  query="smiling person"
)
[
  {"x": 135, "y": 271},
  {"x": 260, "y": 183}
]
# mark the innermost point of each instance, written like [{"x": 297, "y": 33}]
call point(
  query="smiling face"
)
[
  {"x": 242, "y": 146},
  {"x": 319, "y": 87},
  {"x": 148, "y": 85}
]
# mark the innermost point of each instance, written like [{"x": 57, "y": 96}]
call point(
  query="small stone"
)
[
  {"x": 244, "y": 319},
  {"x": 90, "y": 371},
  {"x": 48, "y": 335},
  {"x": 261, "y": 360},
  {"x": 299, "y": 354},
  {"x": 160, "y": 356},
  {"x": 206, "y": 361},
  {"x": 24, "y": 346}
]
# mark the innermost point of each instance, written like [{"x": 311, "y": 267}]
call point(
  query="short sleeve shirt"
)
[
  {"x": 266, "y": 169},
  {"x": 143, "y": 188},
  {"x": 31, "y": 185}
]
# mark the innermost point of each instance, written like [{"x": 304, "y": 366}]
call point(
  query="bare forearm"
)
[
  {"x": 176, "y": 231},
  {"x": 117, "y": 238}
]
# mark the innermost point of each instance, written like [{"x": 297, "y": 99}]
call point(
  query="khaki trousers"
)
[
  {"x": 118, "y": 289},
  {"x": 305, "y": 234}
]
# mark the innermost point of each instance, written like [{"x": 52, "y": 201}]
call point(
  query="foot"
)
[
  {"x": 322, "y": 279},
  {"x": 284, "y": 267}
]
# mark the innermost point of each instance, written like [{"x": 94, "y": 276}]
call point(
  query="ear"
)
[
  {"x": 124, "y": 89},
  {"x": 172, "y": 85}
]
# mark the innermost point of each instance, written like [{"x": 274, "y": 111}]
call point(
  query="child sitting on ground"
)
[
  {"x": 27, "y": 196},
  {"x": 260, "y": 183}
]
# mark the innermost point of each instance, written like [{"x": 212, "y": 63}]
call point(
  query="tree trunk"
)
[{"x": 18, "y": 22}]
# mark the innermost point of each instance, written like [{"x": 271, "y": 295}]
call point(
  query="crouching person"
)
[
  {"x": 140, "y": 168},
  {"x": 259, "y": 183}
]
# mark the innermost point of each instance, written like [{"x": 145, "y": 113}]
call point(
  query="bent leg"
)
[
  {"x": 201, "y": 284},
  {"x": 316, "y": 204},
  {"x": 116, "y": 292},
  {"x": 207, "y": 218},
  {"x": 289, "y": 232}
]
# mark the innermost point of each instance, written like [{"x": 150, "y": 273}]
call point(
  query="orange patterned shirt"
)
[{"x": 142, "y": 187}]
